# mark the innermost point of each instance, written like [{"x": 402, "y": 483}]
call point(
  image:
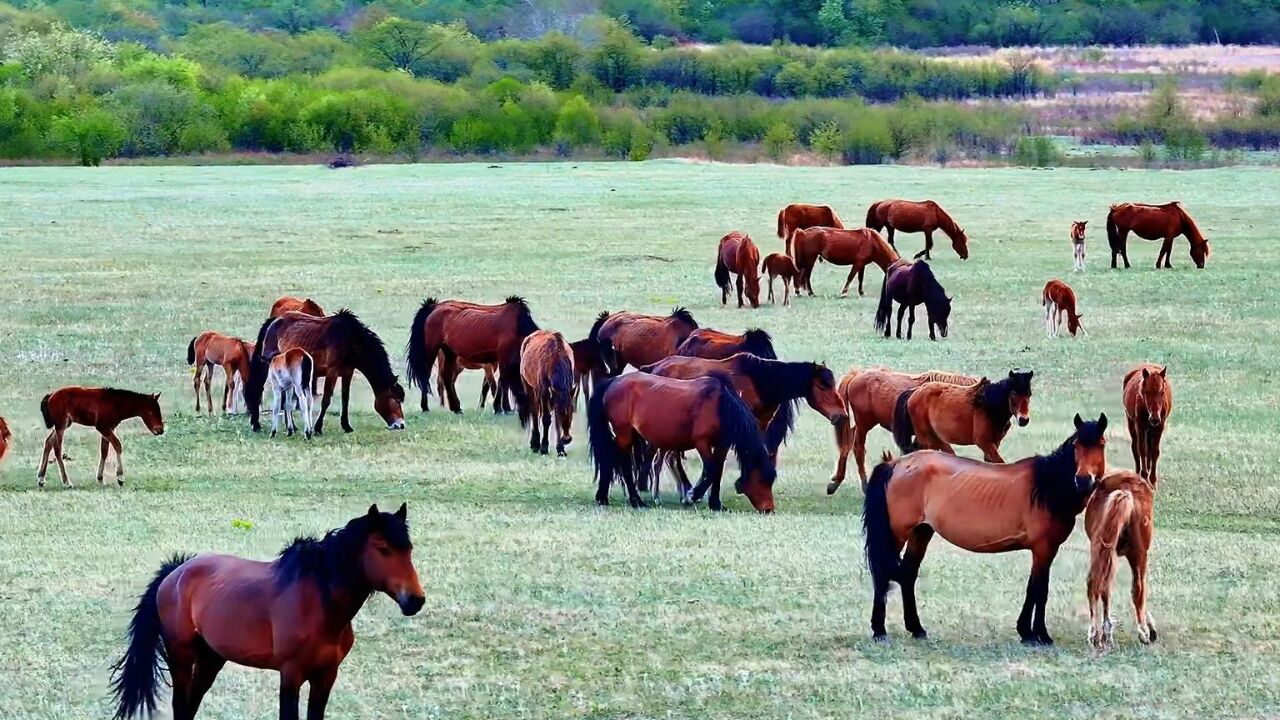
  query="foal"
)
[
  {"x": 290, "y": 374},
  {"x": 100, "y": 408},
  {"x": 783, "y": 266},
  {"x": 1077, "y": 243},
  {"x": 1148, "y": 401},
  {"x": 1059, "y": 299},
  {"x": 1119, "y": 522}
]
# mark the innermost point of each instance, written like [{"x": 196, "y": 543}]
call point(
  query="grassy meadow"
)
[{"x": 540, "y": 605}]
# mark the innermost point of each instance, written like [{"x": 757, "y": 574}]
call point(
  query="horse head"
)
[
  {"x": 386, "y": 559},
  {"x": 1154, "y": 391},
  {"x": 1020, "y": 395}
]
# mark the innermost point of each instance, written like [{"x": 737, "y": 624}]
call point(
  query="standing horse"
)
[
  {"x": 1077, "y": 243},
  {"x": 779, "y": 265},
  {"x": 1058, "y": 300},
  {"x": 5, "y": 438},
  {"x": 1119, "y": 521},
  {"x": 631, "y": 414},
  {"x": 290, "y": 374},
  {"x": 937, "y": 415},
  {"x": 798, "y": 217},
  {"x": 546, "y": 368},
  {"x": 488, "y": 385},
  {"x": 210, "y": 349},
  {"x": 716, "y": 345},
  {"x": 478, "y": 333},
  {"x": 911, "y": 217},
  {"x": 292, "y": 615},
  {"x": 1148, "y": 401},
  {"x": 912, "y": 284},
  {"x": 340, "y": 345},
  {"x": 1154, "y": 222},
  {"x": 856, "y": 248},
  {"x": 1031, "y": 504},
  {"x": 737, "y": 254},
  {"x": 587, "y": 368},
  {"x": 102, "y": 409},
  {"x": 288, "y": 303},
  {"x": 627, "y": 338}
]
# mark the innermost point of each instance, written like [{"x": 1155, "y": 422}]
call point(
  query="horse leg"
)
[
  {"x": 862, "y": 272},
  {"x": 320, "y": 684},
  {"x": 683, "y": 486},
  {"x": 57, "y": 450},
  {"x": 181, "y": 661},
  {"x": 1032, "y": 618},
  {"x": 738, "y": 284},
  {"x": 628, "y": 467},
  {"x": 717, "y": 474},
  {"x": 911, "y": 323},
  {"x": 1166, "y": 249},
  {"x": 917, "y": 544},
  {"x": 928, "y": 245},
  {"x": 324, "y": 403},
  {"x": 105, "y": 446},
  {"x": 195, "y": 385},
  {"x": 535, "y": 403},
  {"x": 990, "y": 452},
  {"x": 707, "y": 453},
  {"x": 115, "y": 443},
  {"x": 1153, "y": 452},
  {"x": 277, "y": 394},
  {"x": 44, "y": 458},
  {"x": 1138, "y": 565},
  {"x": 208, "y": 387},
  {"x": 291, "y": 679},
  {"x": 902, "y": 310},
  {"x": 229, "y": 374},
  {"x": 290, "y": 398},
  {"x": 207, "y": 666},
  {"x": 891, "y": 243},
  {"x": 346, "y": 401},
  {"x": 1133, "y": 446},
  {"x": 844, "y": 438},
  {"x": 786, "y": 291},
  {"x": 451, "y": 372},
  {"x": 1048, "y": 319},
  {"x": 547, "y": 404},
  {"x": 853, "y": 270}
]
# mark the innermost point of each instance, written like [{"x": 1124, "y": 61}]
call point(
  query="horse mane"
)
[
  {"x": 363, "y": 348},
  {"x": 120, "y": 394},
  {"x": 885, "y": 247},
  {"x": 758, "y": 342},
  {"x": 525, "y": 324},
  {"x": 683, "y": 315},
  {"x": 933, "y": 290},
  {"x": 1053, "y": 475},
  {"x": 992, "y": 398},
  {"x": 333, "y": 561},
  {"x": 779, "y": 383},
  {"x": 947, "y": 377}
]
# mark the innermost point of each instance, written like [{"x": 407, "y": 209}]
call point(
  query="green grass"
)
[{"x": 540, "y": 605}]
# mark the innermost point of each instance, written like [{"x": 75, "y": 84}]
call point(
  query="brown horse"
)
[
  {"x": 210, "y": 349},
  {"x": 716, "y": 345},
  {"x": 1119, "y": 521},
  {"x": 627, "y": 338},
  {"x": 546, "y": 367},
  {"x": 911, "y": 284},
  {"x": 292, "y": 615},
  {"x": 1148, "y": 401},
  {"x": 631, "y": 416},
  {"x": 911, "y": 217},
  {"x": 738, "y": 255},
  {"x": 777, "y": 265},
  {"x": 1077, "y": 243},
  {"x": 290, "y": 374},
  {"x": 478, "y": 333},
  {"x": 1058, "y": 300},
  {"x": 856, "y": 248},
  {"x": 798, "y": 217},
  {"x": 5, "y": 438},
  {"x": 1154, "y": 222},
  {"x": 587, "y": 367},
  {"x": 488, "y": 385},
  {"x": 102, "y": 409},
  {"x": 937, "y": 415},
  {"x": 1031, "y": 504},
  {"x": 340, "y": 345},
  {"x": 288, "y": 303}
]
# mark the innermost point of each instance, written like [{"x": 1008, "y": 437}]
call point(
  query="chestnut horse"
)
[
  {"x": 1119, "y": 521},
  {"x": 1148, "y": 401},
  {"x": 478, "y": 333},
  {"x": 912, "y": 284},
  {"x": 102, "y": 409},
  {"x": 288, "y": 303},
  {"x": 209, "y": 349},
  {"x": 738, "y": 255},
  {"x": 546, "y": 368},
  {"x": 292, "y": 615},
  {"x": 1154, "y": 222},
  {"x": 290, "y": 374},
  {"x": 1058, "y": 300},
  {"x": 340, "y": 345},
  {"x": 5, "y": 438},
  {"x": 1031, "y": 504},
  {"x": 1077, "y": 243},
  {"x": 937, "y": 415},
  {"x": 488, "y": 385},
  {"x": 856, "y": 248},
  {"x": 798, "y": 217},
  {"x": 716, "y": 345},
  {"x": 632, "y": 415},
  {"x": 777, "y": 265},
  {"x": 627, "y": 338},
  {"x": 911, "y": 217},
  {"x": 587, "y": 368}
]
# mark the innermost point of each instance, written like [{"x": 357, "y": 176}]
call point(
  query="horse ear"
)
[
  {"x": 1164, "y": 371},
  {"x": 1102, "y": 423},
  {"x": 403, "y": 512},
  {"x": 373, "y": 510},
  {"x": 1145, "y": 373},
  {"x": 1078, "y": 421},
  {"x": 155, "y": 396}
]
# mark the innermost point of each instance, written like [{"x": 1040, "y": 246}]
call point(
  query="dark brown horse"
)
[
  {"x": 777, "y": 265},
  {"x": 855, "y": 248},
  {"x": 937, "y": 415},
  {"x": 1031, "y": 504},
  {"x": 911, "y": 217},
  {"x": 487, "y": 386},
  {"x": 340, "y": 346},
  {"x": 1154, "y": 222},
  {"x": 716, "y": 345},
  {"x": 1148, "y": 401},
  {"x": 212, "y": 349},
  {"x": 798, "y": 217},
  {"x": 288, "y": 303},
  {"x": 587, "y": 367},
  {"x": 102, "y": 409},
  {"x": 627, "y": 338},
  {"x": 911, "y": 284},
  {"x": 738, "y": 255},
  {"x": 479, "y": 333},
  {"x": 546, "y": 368},
  {"x": 292, "y": 615},
  {"x": 1119, "y": 522}
]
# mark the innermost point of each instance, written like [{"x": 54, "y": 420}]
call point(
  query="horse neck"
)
[
  {"x": 993, "y": 399},
  {"x": 1053, "y": 482},
  {"x": 882, "y": 253},
  {"x": 377, "y": 370},
  {"x": 777, "y": 381},
  {"x": 1189, "y": 227},
  {"x": 124, "y": 405},
  {"x": 947, "y": 225}
]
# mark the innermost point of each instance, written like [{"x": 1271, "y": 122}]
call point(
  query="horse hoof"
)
[
  {"x": 880, "y": 639},
  {"x": 920, "y": 635},
  {"x": 561, "y": 453},
  {"x": 273, "y": 433},
  {"x": 120, "y": 480},
  {"x": 833, "y": 486},
  {"x": 100, "y": 482}
]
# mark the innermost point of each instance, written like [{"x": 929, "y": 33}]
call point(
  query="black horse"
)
[{"x": 912, "y": 283}]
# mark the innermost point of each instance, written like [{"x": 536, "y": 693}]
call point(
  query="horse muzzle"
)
[
  {"x": 410, "y": 604},
  {"x": 838, "y": 419},
  {"x": 396, "y": 425},
  {"x": 1023, "y": 420},
  {"x": 158, "y": 431}
]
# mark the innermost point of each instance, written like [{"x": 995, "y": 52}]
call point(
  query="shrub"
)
[
  {"x": 779, "y": 141},
  {"x": 1037, "y": 151},
  {"x": 827, "y": 140},
  {"x": 92, "y": 135},
  {"x": 577, "y": 125}
]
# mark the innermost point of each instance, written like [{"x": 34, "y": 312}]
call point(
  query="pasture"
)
[{"x": 538, "y": 603}]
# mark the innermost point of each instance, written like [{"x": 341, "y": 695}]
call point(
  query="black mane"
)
[
  {"x": 1054, "y": 485},
  {"x": 932, "y": 288},
  {"x": 362, "y": 348},
  {"x": 525, "y": 324},
  {"x": 333, "y": 561},
  {"x": 993, "y": 397},
  {"x": 758, "y": 342},
  {"x": 123, "y": 394},
  {"x": 683, "y": 314}
]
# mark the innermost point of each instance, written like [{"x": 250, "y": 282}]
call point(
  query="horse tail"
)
[
  {"x": 722, "y": 273},
  {"x": 308, "y": 370},
  {"x": 782, "y": 223},
  {"x": 562, "y": 384},
  {"x": 135, "y": 677},
  {"x": 740, "y": 431},
  {"x": 601, "y": 444},
  {"x": 885, "y": 309},
  {"x": 257, "y": 380},
  {"x": 1113, "y": 229},
  {"x": 44, "y": 411},
  {"x": 904, "y": 433},
  {"x": 1102, "y": 548},
  {"x": 419, "y": 360},
  {"x": 780, "y": 426},
  {"x": 191, "y": 352},
  {"x": 882, "y": 548}
]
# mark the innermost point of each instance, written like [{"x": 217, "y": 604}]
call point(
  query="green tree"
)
[
  {"x": 827, "y": 140},
  {"x": 779, "y": 141},
  {"x": 616, "y": 63},
  {"x": 409, "y": 45},
  {"x": 555, "y": 59},
  {"x": 577, "y": 125},
  {"x": 61, "y": 51},
  {"x": 834, "y": 23},
  {"x": 92, "y": 135}
]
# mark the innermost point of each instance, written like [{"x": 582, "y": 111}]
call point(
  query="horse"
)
[
  {"x": 1119, "y": 522},
  {"x": 937, "y": 415},
  {"x": 911, "y": 284},
  {"x": 288, "y": 303},
  {"x": 102, "y": 409},
  {"x": 5, "y": 438},
  {"x": 209, "y": 349},
  {"x": 1154, "y": 222},
  {"x": 911, "y": 217},
  {"x": 856, "y": 248},
  {"x": 546, "y": 368},
  {"x": 290, "y": 374},
  {"x": 716, "y": 345},
  {"x": 1148, "y": 401},
  {"x": 777, "y": 265},
  {"x": 627, "y": 338},
  {"x": 1058, "y": 300},
  {"x": 1077, "y": 243},
  {"x": 870, "y": 397},
  {"x": 340, "y": 345},
  {"x": 798, "y": 217},
  {"x": 587, "y": 368},
  {"x": 478, "y": 333},
  {"x": 292, "y": 615},
  {"x": 737, "y": 254},
  {"x": 488, "y": 385},
  {"x": 1031, "y": 504},
  {"x": 631, "y": 414}
]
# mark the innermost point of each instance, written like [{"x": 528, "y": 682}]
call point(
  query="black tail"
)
[
  {"x": 603, "y": 448},
  {"x": 44, "y": 411},
  {"x": 1113, "y": 232},
  {"x": 885, "y": 309},
  {"x": 882, "y": 549},
  {"x": 420, "y": 359},
  {"x": 308, "y": 369},
  {"x": 257, "y": 380},
  {"x": 135, "y": 678},
  {"x": 740, "y": 432},
  {"x": 904, "y": 434},
  {"x": 604, "y": 348},
  {"x": 722, "y": 273},
  {"x": 191, "y": 352}
]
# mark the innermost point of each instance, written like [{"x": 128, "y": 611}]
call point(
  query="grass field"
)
[{"x": 540, "y": 605}]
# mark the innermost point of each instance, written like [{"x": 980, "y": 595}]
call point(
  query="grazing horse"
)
[
  {"x": 716, "y": 345},
  {"x": 737, "y": 254},
  {"x": 1031, "y": 504},
  {"x": 102, "y": 409},
  {"x": 911, "y": 217},
  {"x": 489, "y": 385},
  {"x": 1119, "y": 521},
  {"x": 1077, "y": 243},
  {"x": 798, "y": 217},
  {"x": 1059, "y": 300},
  {"x": 633, "y": 414},
  {"x": 856, "y": 248},
  {"x": 1154, "y": 222},
  {"x": 340, "y": 346},
  {"x": 587, "y": 368},
  {"x": 288, "y": 303},
  {"x": 546, "y": 368},
  {"x": 937, "y": 415},
  {"x": 290, "y": 374},
  {"x": 911, "y": 284},
  {"x": 5, "y": 438},
  {"x": 209, "y": 349},
  {"x": 871, "y": 396},
  {"x": 292, "y": 615},
  {"x": 478, "y": 333},
  {"x": 777, "y": 265},
  {"x": 1148, "y": 401},
  {"x": 627, "y": 338}
]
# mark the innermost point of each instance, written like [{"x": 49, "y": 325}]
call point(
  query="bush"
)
[
  {"x": 91, "y": 135},
  {"x": 827, "y": 140},
  {"x": 1037, "y": 151},
  {"x": 779, "y": 141},
  {"x": 577, "y": 125},
  {"x": 869, "y": 141}
]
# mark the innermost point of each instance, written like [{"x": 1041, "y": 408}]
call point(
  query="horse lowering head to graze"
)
[
  {"x": 1059, "y": 301},
  {"x": 102, "y": 409},
  {"x": 911, "y": 284},
  {"x": 636, "y": 339},
  {"x": 738, "y": 255},
  {"x": 5, "y": 438},
  {"x": 546, "y": 368},
  {"x": 911, "y": 217},
  {"x": 716, "y": 345},
  {"x": 799, "y": 216},
  {"x": 1154, "y": 222}
]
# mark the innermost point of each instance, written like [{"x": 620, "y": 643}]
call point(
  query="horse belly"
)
[{"x": 975, "y": 516}]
